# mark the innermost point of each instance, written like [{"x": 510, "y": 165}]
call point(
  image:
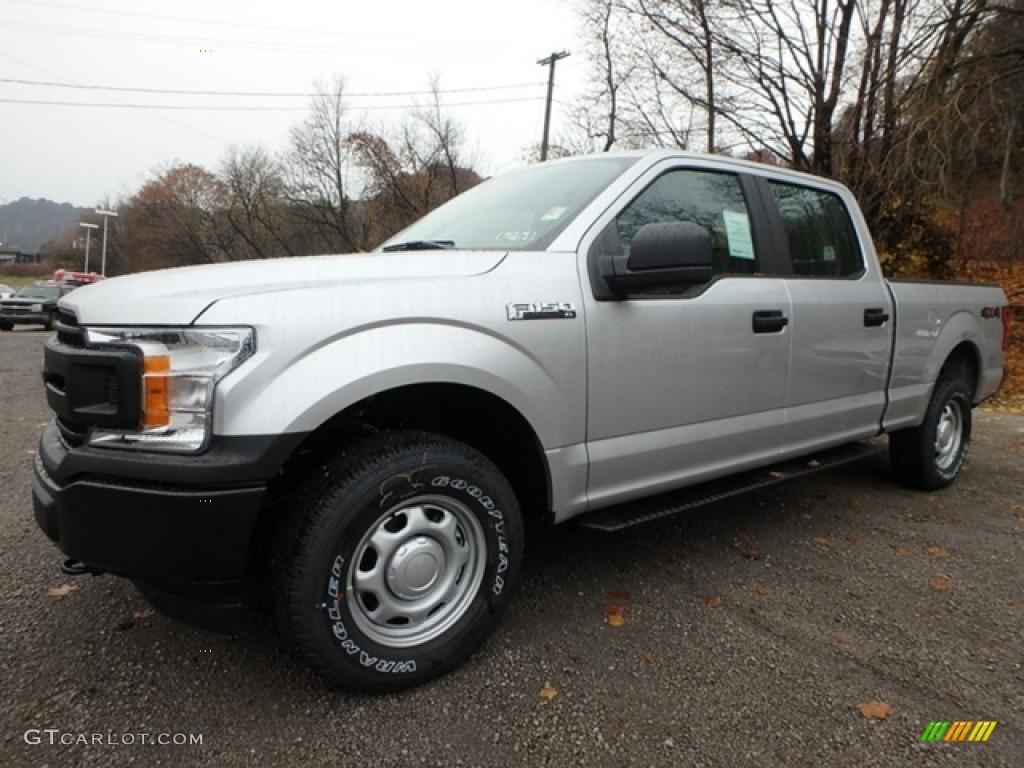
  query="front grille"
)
[{"x": 68, "y": 330}]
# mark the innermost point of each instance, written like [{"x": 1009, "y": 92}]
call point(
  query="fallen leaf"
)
[
  {"x": 548, "y": 692},
  {"x": 62, "y": 591},
  {"x": 941, "y": 582},
  {"x": 853, "y": 539},
  {"x": 620, "y": 594},
  {"x": 614, "y": 615},
  {"x": 142, "y": 615},
  {"x": 842, "y": 638},
  {"x": 938, "y": 552},
  {"x": 813, "y": 463},
  {"x": 715, "y": 601},
  {"x": 762, "y": 591},
  {"x": 751, "y": 554},
  {"x": 904, "y": 551},
  {"x": 929, "y": 612},
  {"x": 647, "y": 658},
  {"x": 1018, "y": 603},
  {"x": 823, "y": 541},
  {"x": 875, "y": 710}
]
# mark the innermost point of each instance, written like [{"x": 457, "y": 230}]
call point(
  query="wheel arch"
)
[
  {"x": 964, "y": 358},
  {"x": 478, "y": 418}
]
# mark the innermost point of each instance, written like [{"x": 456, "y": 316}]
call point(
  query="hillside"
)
[{"x": 27, "y": 224}]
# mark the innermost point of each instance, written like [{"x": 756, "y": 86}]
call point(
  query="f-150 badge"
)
[{"x": 543, "y": 310}]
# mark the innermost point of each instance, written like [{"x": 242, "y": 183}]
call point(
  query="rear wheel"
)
[
  {"x": 397, "y": 561},
  {"x": 930, "y": 456}
]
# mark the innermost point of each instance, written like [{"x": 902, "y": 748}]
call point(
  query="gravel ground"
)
[{"x": 753, "y": 630}]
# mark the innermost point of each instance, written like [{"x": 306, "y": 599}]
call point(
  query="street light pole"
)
[
  {"x": 106, "y": 215},
  {"x": 88, "y": 234}
]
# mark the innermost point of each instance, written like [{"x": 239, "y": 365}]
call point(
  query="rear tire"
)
[
  {"x": 396, "y": 561},
  {"x": 929, "y": 457}
]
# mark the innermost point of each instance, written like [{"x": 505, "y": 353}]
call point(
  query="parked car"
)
[
  {"x": 36, "y": 303},
  {"x": 596, "y": 338},
  {"x": 5, "y": 291}
]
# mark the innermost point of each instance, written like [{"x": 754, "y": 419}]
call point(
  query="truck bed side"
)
[{"x": 933, "y": 320}]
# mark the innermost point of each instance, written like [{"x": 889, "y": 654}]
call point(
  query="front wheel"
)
[
  {"x": 397, "y": 561},
  {"x": 930, "y": 456}
]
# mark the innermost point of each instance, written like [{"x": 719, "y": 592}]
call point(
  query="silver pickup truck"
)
[{"x": 367, "y": 437}]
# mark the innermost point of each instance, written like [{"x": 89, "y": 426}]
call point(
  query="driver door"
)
[{"x": 685, "y": 383}]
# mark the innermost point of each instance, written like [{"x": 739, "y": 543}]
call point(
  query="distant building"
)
[{"x": 14, "y": 256}]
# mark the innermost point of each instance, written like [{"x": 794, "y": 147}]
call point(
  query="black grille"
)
[{"x": 68, "y": 330}]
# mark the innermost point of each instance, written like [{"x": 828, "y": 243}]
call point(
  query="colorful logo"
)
[{"x": 958, "y": 730}]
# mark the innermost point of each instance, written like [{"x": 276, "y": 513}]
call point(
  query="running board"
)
[{"x": 657, "y": 507}]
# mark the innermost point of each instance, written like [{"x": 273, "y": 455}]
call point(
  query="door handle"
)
[
  {"x": 769, "y": 321},
  {"x": 875, "y": 316}
]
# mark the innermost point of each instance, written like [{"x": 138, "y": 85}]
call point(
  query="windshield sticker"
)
[
  {"x": 737, "y": 231},
  {"x": 515, "y": 237},
  {"x": 554, "y": 214}
]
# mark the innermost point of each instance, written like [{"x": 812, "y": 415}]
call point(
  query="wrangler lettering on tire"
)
[{"x": 397, "y": 560}]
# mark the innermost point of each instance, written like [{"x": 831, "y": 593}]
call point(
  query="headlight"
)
[{"x": 180, "y": 370}]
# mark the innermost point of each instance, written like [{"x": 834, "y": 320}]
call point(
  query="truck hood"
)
[{"x": 179, "y": 296}]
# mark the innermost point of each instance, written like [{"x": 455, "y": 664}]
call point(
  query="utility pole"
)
[
  {"x": 88, "y": 234},
  {"x": 106, "y": 215},
  {"x": 549, "y": 62}
]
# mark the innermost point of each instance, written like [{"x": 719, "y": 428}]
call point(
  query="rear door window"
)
[{"x": 822, "y": 240}]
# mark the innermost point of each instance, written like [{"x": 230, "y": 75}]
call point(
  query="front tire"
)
[
  {"x": 397, "y": 561},
  {"x": 929, "y": 457}
]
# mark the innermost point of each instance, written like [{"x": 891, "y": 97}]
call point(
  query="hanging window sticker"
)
[
  {"x": 829, "y": 253},
  {"x": 554, "y": 214},
  {"x": 737, "y": 232}
]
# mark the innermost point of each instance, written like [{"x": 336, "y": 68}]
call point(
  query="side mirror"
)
[{"x": 663, "y": 253}]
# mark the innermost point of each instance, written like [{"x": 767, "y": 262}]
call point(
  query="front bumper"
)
[
  {"x": 181, "y": 527},
  {"x": 16, "y": 317}
]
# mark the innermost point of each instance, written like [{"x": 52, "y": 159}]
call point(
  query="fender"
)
[
  {"x": 923, "y": 345},
  {"x": 342, "y": 346}
]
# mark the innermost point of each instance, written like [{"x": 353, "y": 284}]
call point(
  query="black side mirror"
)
[{"x": 663, "y": 253}]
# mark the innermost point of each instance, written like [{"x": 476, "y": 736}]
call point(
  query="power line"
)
[
  {"x": 256, "y": 45},
  {"x": 220, "y": 108},
  {"x": 236, "y": 24},
  {"x": 267, "y": 94}
]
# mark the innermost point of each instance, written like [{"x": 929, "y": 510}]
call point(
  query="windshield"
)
[
  {"x": 521, "y": 210},
  {"x": 39, "y": 292}
]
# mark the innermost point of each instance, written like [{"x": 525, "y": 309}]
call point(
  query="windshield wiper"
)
[{"x": 420, "y": 245}]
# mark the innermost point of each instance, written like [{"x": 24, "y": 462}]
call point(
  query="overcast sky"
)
[{"x": 484, "y": 52}]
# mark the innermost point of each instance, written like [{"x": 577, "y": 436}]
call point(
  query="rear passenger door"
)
[
  {"x": 685, "y": 382},
  {"x": 841, "y": 323}
]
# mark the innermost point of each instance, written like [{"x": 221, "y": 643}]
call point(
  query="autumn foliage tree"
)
[{"x": 339, "y": 187}]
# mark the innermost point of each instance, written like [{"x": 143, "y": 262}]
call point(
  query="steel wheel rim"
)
[
  {"x": 416, "y": 571},
  {"x": 949, "y": 435}
]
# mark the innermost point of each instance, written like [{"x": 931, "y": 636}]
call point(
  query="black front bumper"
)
[{"x": 181, "y": 527}]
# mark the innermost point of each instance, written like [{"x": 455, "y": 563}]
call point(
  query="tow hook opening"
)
[{"x": 73, "y": 567}]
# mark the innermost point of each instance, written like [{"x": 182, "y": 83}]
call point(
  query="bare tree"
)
[
  {"x": 256, "y": 205},
  {"x": 317, "y": 170}
]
